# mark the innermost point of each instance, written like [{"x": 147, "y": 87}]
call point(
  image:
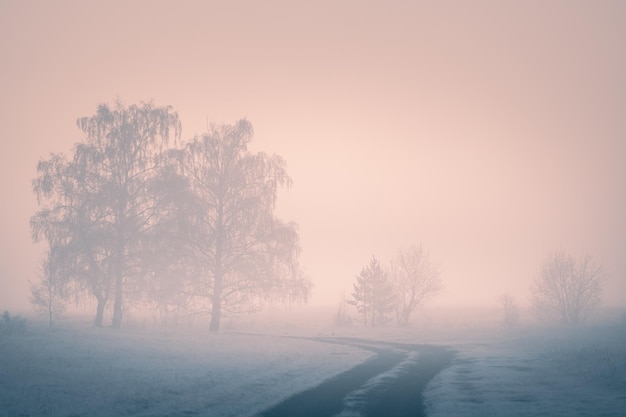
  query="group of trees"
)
[
  {"x": 566, "y": 290},
  {"x": 400, "y": 288},
  {"x": 135, "y": 216}
]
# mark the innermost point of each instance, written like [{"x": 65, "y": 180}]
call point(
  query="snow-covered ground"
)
[
  {"x": 76, "y": 370},
  {"x": 82, "y": 371},
  {"x": 535, "y": 372}
]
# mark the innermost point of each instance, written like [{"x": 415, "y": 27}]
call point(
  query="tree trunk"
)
[
  {"x": 215, "y": 318},
  {"x": 406, "y": 313},
  {"x": 216, "y": 307},
  {"x": 216, "y": 302},
  {"x": 117, "y": 305},
  {"x": 100, "y": 312},
  {"x": 119, "y": 276},
  {"x": 50, "y": 299}
]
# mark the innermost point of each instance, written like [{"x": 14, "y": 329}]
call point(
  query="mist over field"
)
[
  {"x": 318, "y": 208},
  {"x": 490, "y": 133},
  {"x": 442, "y": 365}
]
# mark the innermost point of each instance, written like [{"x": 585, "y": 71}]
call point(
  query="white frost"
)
[
  {"x": 561, "y": 372},
  {"x": 355, "y": 400}
]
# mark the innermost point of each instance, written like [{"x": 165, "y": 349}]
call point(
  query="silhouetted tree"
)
[
  {"x": 415, "y": 280},
  {"x": 241, "y": 252},
  {"x": 99, "y": 207},
  {"x": 567, "y": 289},
  {"x": 373, "y": 294},
  {"x": 510, "y": 310}
]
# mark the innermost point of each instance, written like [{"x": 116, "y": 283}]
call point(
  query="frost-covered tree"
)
[
  {"x": 98, "y": 208},
  {"x": 242, "y": 253},
  {"x": 166, "y": 260},
  {"x": 70, "y": 223},
  {"x": 567, "y": 289},
  {"x": 47, "y": 294},
  {"x": 373, "y": 295},
  {"x": 415, "y": 279},
  {"x": 509, "y": 309}
]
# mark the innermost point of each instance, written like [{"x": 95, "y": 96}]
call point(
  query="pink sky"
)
[{"x": 491, "y": 132}]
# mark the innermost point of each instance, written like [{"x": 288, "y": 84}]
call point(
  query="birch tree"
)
[
  {"x": 71, "y": 223},
  {"x": 242, "y": 253},
  {"x": 100, "y": 205}
]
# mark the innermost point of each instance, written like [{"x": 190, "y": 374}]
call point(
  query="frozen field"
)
[
  {"x": 103, "y": 372},
  {"x": 76, "y": 370},
  {"x": 548, "y": 372}
]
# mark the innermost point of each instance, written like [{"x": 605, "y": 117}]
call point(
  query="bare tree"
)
[
  {"x": 98, "y": 208},
  {"x": 342, "y": 318},
  {"x": 47, "y": 294},
  {"x": 70, "y": 221},
  {"x": 415, "y": 280},
  {"x": 510, "y": 310},
  {"x": 243, "y": 254},
  {"x": 373, "y": 294},
  {"x": 567, "y": 289}
]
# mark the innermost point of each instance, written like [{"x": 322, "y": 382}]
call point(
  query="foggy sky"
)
[{"x": 491, "y": 132}]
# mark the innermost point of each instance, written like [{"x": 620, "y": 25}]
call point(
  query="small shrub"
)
[{"x": 10, "y": 325}]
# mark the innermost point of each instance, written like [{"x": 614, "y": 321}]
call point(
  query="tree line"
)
[
  {"x": 566, "y": 290},
  {"x": 136, "y": 216}
]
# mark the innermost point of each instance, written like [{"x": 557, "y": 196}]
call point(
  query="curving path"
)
[{"x": 389, "y": 384}]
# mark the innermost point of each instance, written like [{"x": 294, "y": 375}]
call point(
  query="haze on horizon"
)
[{"x": 490, "y": 132}]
